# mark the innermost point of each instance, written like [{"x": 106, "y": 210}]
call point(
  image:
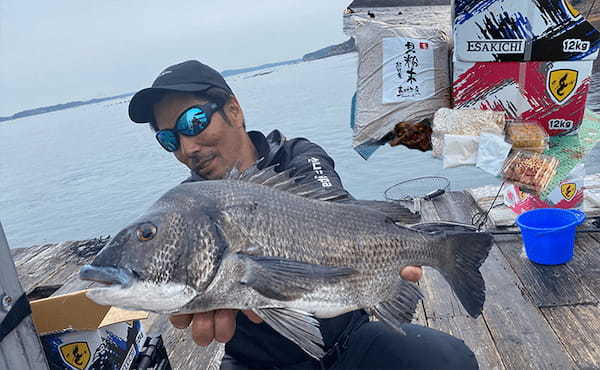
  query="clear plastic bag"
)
[
  {"x": 470, "y": 122},
  {"x": 530, "y": 171},
  {"x": 460, "y": 150},
  {"x": 527, "y": 135},
  {"x": 493, "y": 151}
]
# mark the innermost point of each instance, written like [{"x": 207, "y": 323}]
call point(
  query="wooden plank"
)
[
  {"x": 523, "y": 338},
  {"x": 475, "y": 335},
  {"x": 588, "y": 246},
  {"x": 456, "y": 207},
  {"x": 21, "y": 348},
  {"x": 548, "y": 285},
  {"x": 444, "y": 312},
  {"x": 55, "y": 263},
  {"x": 41, "y": 269},
  {"x": 578, "y": 328},
  {"x": 420, "y": 318}
]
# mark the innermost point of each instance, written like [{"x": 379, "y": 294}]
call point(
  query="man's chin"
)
[{"x": 210, "y": 173}]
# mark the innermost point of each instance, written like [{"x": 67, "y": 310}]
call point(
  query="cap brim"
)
[{"x": 140, "y": 105}]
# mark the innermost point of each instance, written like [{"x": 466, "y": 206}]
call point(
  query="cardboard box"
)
[
  {"x": 77, "y": 333},
  {"x": 551, "y": 93},
  {"x": 522, "y": 30}
]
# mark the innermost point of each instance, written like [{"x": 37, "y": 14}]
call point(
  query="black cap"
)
[{"x": 189, "y": 76}]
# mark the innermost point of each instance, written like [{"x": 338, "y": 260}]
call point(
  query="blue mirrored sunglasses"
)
[{"x": 190, "y": 123}]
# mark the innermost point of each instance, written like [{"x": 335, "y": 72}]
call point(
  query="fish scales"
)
[
  {"x": 288, "y": 226},
  {"x": 262, "y": 240}
]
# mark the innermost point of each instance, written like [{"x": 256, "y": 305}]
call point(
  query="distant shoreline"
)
[
  {"x": 77, "y": 103},
  {"x": 329, "y": 51}
]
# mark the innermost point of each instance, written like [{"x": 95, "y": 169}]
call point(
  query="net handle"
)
[{"x": 429, "y": 196}]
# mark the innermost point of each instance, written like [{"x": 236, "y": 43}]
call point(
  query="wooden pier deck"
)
[{"x": 535, "y": 317}]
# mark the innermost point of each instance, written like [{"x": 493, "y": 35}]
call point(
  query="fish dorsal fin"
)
[{"x": 284, "y": 181}]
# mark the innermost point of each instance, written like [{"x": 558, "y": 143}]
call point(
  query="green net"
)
[{"x": 570, "y": 150}]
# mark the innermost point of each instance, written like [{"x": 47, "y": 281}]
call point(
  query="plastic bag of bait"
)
[
  {"x": 470, "y": 122},
  {"x": 460, "y": 150},
  {"x": 493, "y": 151}
]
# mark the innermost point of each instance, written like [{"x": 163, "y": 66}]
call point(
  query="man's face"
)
[{"x": 213, "y": 152}]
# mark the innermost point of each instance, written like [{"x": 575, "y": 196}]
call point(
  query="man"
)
[{"x": 197, "y": 117}]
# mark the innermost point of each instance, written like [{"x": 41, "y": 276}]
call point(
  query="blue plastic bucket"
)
[{"x": 549, "y": 234}]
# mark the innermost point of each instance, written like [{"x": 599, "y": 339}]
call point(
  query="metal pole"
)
[
  {"x": 590, "y": 10},
  {"x": 21, "y": 348}
]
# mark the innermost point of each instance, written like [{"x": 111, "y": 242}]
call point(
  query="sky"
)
[{"x": 57, "y": 51}]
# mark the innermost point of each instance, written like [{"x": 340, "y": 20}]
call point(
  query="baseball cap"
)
[{"x": 188, "y": 76}]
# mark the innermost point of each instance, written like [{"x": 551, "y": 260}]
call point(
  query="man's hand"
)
[
  {"x": 412, "y": 273},
  {"x": 216, "y": 325}
]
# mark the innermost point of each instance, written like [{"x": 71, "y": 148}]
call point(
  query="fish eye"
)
[{"x": 146, "y": 231}]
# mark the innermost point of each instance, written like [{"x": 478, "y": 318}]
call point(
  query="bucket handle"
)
[
  {"x": 580, "y": 219},
  {"x": 580, "y": 216}
]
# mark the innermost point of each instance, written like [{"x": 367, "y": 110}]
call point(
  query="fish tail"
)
[{"x": 466, "y": 252}]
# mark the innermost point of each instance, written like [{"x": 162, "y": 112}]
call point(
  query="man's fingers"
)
[
  {"x": 224, "y": 325},
  {"x": 412, "y": 273},
  {"x": 203, "y": 328},
  {"x": 252, "y": 316},
  {"x": 181, "y": 321}
]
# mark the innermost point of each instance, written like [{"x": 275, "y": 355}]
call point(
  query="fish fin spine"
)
[
  {"x": 298, "y": 326},
  {"x": 400, "y": 309}
]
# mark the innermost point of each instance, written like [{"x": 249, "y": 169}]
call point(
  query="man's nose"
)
[{"x": 188, "y": 145}]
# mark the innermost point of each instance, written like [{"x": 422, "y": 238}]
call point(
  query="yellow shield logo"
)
[
  {"x": 568, "y": 191},
  {"x": 574, "y": 12},
  {"x": 561, "y": 84},
  {"x": 76, "y": 354}
]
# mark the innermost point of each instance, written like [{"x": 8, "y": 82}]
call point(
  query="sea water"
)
[{"x": 89, "y": 171}]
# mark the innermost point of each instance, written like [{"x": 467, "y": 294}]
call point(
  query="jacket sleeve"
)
[{"x": 310, "y": 161}]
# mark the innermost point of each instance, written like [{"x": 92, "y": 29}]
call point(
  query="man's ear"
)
[{"x": 234, "y": 112}]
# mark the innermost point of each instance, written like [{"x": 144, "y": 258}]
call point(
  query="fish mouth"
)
[
  {"x": 123, "y": 288},
  {"x": 107, "y": 275}
]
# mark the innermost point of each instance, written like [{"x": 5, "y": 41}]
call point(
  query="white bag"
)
[
  {"x": 470, "y": 122},
  {"x": 460, "y": 150},
  {"x": 493, "y": 151},
  {"x": 403, "y": 76}
]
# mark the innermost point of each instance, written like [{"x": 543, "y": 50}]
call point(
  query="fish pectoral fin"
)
[
  {"x": 400, "y": 309},
  {"x": 284, "y": 279},
  {"x": 298, "y": 326}
]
